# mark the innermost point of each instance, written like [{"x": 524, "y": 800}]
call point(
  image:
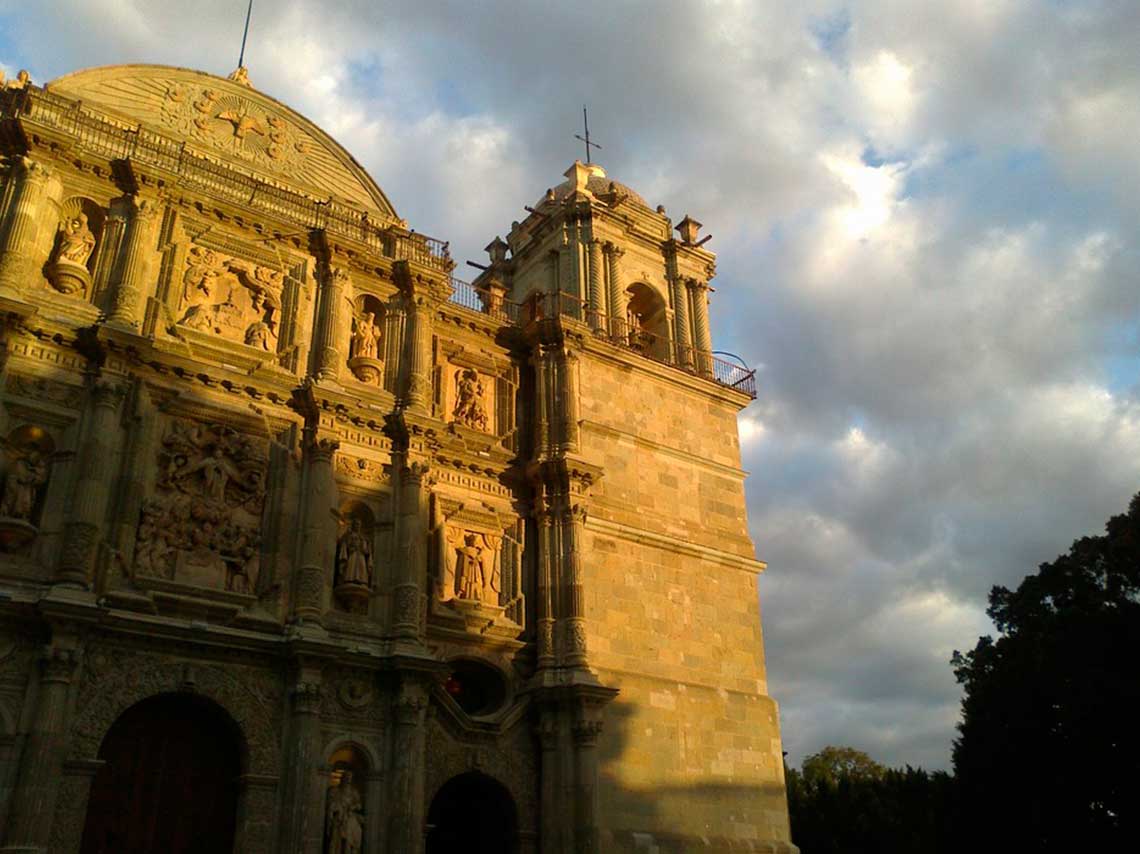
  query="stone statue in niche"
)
[
  {"x": 354, "y": 557},
  {"x": 231, "y": 298},
  {"x": 203, "y": 525},
  {"x": 67, "y": 270},
  {"x": 471, "y": 569},
  {"x": 470, "y": 409},
  {"x": 28, "y": 450},
  {"x": 344, "y": 825},
  {"x": 365, "y": 362}
]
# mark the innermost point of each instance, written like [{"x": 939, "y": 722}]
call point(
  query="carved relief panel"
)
[
  {"x": 202, "y": 525},
  {"x": 470, "y": 398},
  {"x": 476, "y": 391},
  {"x": 235, "y": 299},
  {"x": 477, "y": 563}
]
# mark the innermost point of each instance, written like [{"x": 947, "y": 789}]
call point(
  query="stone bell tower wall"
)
[{"x": 693, "y": 750}]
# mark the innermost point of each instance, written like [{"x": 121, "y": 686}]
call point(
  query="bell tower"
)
[{"x": 654, "y": 718}]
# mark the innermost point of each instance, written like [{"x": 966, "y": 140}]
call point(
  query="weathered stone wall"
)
[{"x": 691, "y": 748}]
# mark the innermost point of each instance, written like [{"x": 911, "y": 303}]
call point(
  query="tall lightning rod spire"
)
[
  {"x": 245, "y": 34},
  {"x": 586, "y": 138}
]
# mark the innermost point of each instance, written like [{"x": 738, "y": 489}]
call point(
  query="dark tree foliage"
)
[
  {"x": 843, "y": 801},
  {"x": 1048, "y": 753}
]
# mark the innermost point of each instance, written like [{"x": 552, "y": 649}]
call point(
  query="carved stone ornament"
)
[
  {"x": 203, "y": 525},
  {"x": 233, "y": 124},
  {"x": 231, "y": 298},
  {"x": 365, "y": 362},
  {"x": 27, "y": 451},
  {"x": 344, "y": 819},
  {"x": 470, "y": 407},
  {"x": 68, "y": 271}
]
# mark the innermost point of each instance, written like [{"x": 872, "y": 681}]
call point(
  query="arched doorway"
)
[
  {"x": 472, "y": 814},
  {"x": 170, "y": 782}
]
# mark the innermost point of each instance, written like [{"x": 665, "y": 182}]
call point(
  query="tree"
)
[
  {"x": 843, "y": 802},
  {"x": 1048, "y": 752}
]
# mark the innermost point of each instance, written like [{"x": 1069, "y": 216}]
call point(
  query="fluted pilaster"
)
[
  {"x": 17, "y": 244},
  {"x": 320, "y": 503},
  {"x": 130, "y": 279}
]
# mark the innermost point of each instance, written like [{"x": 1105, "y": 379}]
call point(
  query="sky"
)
[{"x": 925, "y": 216}]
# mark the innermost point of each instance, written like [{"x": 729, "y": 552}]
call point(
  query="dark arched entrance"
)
[
  {"x": 472, "y": 814},
  {"x": 170, "y": 782}
]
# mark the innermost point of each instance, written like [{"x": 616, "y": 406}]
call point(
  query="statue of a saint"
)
[
  {"x": 26, "y": 475},
  {"x": 344, "y": 827},
  {"x": 469, "y": 409},
  {"x": 76, "y": 242},
  {"x": 354, "y": 557},
  {"x": 365, "y": 337}
]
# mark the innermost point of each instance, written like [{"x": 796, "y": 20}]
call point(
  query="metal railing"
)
[{"x": 117, "y": 140}]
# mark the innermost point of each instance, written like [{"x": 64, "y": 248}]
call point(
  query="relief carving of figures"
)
[
  {"x": 472, "y": 566},
  {"x": 344, "y": 822},
  {"x": 203, "y": 525},
  {"x": 232, "y": 298},
  {"x": 354, "y": 557},
  {"x": 470, "y": 409}
]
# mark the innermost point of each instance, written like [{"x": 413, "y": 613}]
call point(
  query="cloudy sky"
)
[{"x": 925, "y": 216}]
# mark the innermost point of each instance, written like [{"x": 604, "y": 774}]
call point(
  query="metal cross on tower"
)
[{"x": 586, "y": 138}]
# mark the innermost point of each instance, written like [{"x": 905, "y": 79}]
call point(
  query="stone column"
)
[
  {"x": 598, "y": 298},
  {"x": 88, "y": 505},
  {"x": 17, "y": 244},
  {"x": 330, "y": 353},
  {"x": 550, "y": 806},
  {"x": 320, "y": 497},
  {"x": 567, "y": 392},
  {"x": 683, "y": 332},
  {"x": 616, "y": 291},
  {"x": 703, "y": 337},
  {"x": 413, "y": 553},
  {"x": 545, "y": 607},
  {"x": 129, "y": 282},
  {"x": 420, "y": 313},
  {"x": 304, "y": 826},
  {"x": 406, "y": 795},
  {"x": 541, "y": 361},
  {"x": 574, "y": 599},
  {"x": 34, "y": 799},
  {"x": 587, "y": 727}
]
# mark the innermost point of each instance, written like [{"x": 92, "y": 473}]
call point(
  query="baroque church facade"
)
[{"x": 307, "y": 546}]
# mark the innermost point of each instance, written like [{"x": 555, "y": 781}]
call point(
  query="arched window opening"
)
[{"x": 647, "y": 326}]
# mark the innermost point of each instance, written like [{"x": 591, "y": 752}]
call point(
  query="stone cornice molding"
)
[{"x": 595, "y": 524}]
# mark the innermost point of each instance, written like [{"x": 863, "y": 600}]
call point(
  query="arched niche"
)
[
  {"x": 170, "y": 779},
  {"x": 346, "y": 825},
  {"x": 647, "y": 323},
  {"x": 366, "y": 341},
  {"x": 71, "y": 265},
  {"x": 27, "y": 454},
  {"x": 355, "y": 575}
]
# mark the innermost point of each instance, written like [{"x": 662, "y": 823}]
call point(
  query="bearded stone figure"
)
[
  {"x": 344, "y": 829},
  {"x": 354, "y": 557}
]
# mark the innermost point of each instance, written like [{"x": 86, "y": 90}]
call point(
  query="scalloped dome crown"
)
[
  {"x": 225, "y": 118},
  {"x": 596, "y": 182}
]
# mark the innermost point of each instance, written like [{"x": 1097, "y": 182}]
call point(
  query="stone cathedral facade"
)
[{"x": 308, "y": 547}]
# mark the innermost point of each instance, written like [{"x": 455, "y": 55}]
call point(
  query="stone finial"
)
[
  {"x": 580, "y": 174},
  {"x": 497, "y": 250},
  {"x": 240, "y": 75},
  {"x": 689, "y": 229}
]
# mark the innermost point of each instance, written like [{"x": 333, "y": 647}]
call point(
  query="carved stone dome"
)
[
  {"x": 597, "y": 182},
  {"x": 227, "y": 120}
]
